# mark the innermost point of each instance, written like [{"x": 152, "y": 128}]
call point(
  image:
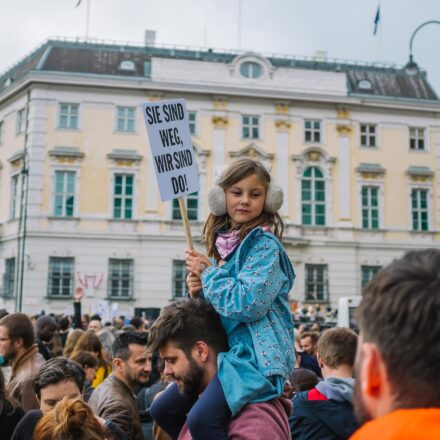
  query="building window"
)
[
  {"x": 368, "y": 135},
  {"x": 251, "y": 70},
  {"x": 68, "y": 116},
  {"x": 416, "y": 138},
  {"x": 179, "y": 279},
  {"x": 312, "y": 131},
  {"x": 313, "y": 197},
  {"x": 125, "y": 119},
  {"x": 192, "y": 207},
  {"x": 370, "y": 207},
  {"x": 368, "y": 273},
  {"x": 21, "y": 121},
  {"x": 192, "y": 123},
  {"x": 1, "y": 131},
  {"x": 9, "y": 277},
  {"x": 419, "y": 205},
  {"x": 120, "y": 279},
  {"x": 14, "y": 209},
  {"x": 61, "y": 271},
  {"x": 64, "y": 200},
  {"x": 251, "y": 126},
  {"x": 316, "y": 282},
  {"x": 123, "y": 196}
]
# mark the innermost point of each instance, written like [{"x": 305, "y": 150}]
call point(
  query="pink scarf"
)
[{"x": 227, "y": 241}]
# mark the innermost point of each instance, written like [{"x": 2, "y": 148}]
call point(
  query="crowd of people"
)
[{"x": 227, "y": 362}]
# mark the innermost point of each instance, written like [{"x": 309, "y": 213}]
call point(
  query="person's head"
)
[
  {"x": 138, "y": 323},
  {"x": 71, "y": 419},
  {"x": 95, "y": 325},
  {"x": 46, "y": 327},
  {"x": 57, "y": 378},
  {"x": 245, "y": 183},
  {"x": 16, "y": 335},
  {"x": 336, "y": 351},
  {"x": 309, "y": 342},
  {"x": 316, "y": 327},
  {"x": 302, "y": 379},
  {"x": 118, "y": 322},
  {"x": 88, "y": 362},
  {"x": 398, "y": 352},
  {"x": 189, "y": 335},
  {"x": 85, "y": 319},
  {"x": 89, "y": 341},
  {"x": 107, "y": 338},
  {"x": 131, "y": 360},
  {"x": 72, "y": 339},
  {"x": 64, "y": 323}
]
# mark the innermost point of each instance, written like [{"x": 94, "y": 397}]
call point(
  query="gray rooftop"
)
[{"x": 104, "y": 59}]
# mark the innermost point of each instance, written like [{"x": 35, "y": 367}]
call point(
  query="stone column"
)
[{"x": 282, "y": 148}]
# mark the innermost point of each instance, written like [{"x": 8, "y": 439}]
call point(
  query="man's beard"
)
[
  {"x": 136, "y": 379},
  {"x": 191, "y": 383},
  {"x": 360, "y": 410}
]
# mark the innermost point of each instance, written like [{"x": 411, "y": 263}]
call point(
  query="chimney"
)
[
  {"x": 150, "y": 38},
  {"x": 320, "y": 55}
]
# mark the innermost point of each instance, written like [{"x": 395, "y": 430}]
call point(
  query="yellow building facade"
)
[{"x": 356, "y": 149}]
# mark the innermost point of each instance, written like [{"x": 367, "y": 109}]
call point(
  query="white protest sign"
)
[{"x": 171, "y": 146}]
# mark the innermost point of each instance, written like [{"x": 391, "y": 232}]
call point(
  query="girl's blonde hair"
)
[
  {"x": 236, "y": 172},
  {"x": 71, "y": 419}
]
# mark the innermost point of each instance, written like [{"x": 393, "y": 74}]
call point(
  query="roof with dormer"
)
[{"x": 85, "y": 57}]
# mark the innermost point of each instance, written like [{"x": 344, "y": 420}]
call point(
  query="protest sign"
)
[{"x": 173, "y": 156}]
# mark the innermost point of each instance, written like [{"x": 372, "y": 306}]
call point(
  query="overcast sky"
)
[{"x": 343, "y": 28}]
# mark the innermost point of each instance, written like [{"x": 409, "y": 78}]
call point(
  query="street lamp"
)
[{"x": 411, "y": 67}]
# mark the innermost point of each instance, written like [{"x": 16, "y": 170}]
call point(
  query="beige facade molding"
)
[
  {"x": 16, "y": 160},
  {"x": 253, "y": 151},
  {"x": 220, "y": 103},
  {"x": 420, "y": 173},
  {"x": 66, "y": 153},
  {"x": 220, "y": 121},
  {"x": 282, "y": 124},
  {"x": 343, "y": 129},
  {"x": 281, "y": 108},
  {"x": 125, "y": 158},
  {"x": 370, "y": 171}
]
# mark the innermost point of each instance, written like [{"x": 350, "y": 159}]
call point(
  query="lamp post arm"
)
[{"x": 415, "y": 32}]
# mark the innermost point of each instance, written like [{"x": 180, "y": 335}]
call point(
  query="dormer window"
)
[
  {"x": 127, "y": 66},
  {"x": 364, "y": 84},
  {"x": 250, "y": 69}
]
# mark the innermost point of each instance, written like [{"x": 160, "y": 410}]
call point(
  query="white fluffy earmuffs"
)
[{"x": 217, "y": 199}]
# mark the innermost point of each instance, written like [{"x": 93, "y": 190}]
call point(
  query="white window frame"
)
[
  {"x": 193, "y": 122},
  {"x": 312, "y": 131},
  {"x": 125, "y": 118},
  {"x": 325, "y": 282},
  {"x": 50, "y": 280},
  {"x": 9, "y": 277},
  {"x": 177, "y": 265},
  {"x": 417, "y": 138},
  {"x": 15, "y": 196},
  {"x": 368, "y": 135},
  {"x": 2, "y": 130},
  {"x": 378, "y": 182},
  {"x": 313, "y": 202},
  {"x": 370, "y": 269},
  {"x": 68, "y": 115},
  {"x": 370, "y": 207},
  {"x": 120, "y": 279},
  {"x": 250, "y": 126},
  {"x": 65, "y": 194},
  {"x": 419, "y": 210},
  {"x": 133, "y": 197},
  {"x": 189, "y": 197},
  {"x": 20, "y": 127}
]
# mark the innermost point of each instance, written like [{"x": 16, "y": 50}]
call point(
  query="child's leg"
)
[
  {"x": 209, "y": 416},
  {"x": 169, "y": 410}
]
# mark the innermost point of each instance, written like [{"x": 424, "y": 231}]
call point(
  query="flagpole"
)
[
  {"x": 239, "y": 23},
  {"x": 87, "y": 19}
]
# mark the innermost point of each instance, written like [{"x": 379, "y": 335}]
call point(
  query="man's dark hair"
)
[
  {"x": 312, "y": 335},
  {"x": 186, "y": 322},
  {"x": 120, "y": 347},
  {"x": 64, "y": 323},
  {"x": 137, "y": 322},
  {"x": 58, "y": 370},
  {"x": 19, "y": 326},
  {"x": 337, "y": 346},
  {"x": 399, "y": 312}
]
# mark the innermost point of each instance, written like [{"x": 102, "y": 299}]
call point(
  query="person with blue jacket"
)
[
  {"x": 326, "y": 411},
  {"x": 247, "y": 279}
]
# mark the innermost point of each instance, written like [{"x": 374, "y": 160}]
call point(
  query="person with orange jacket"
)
[{"x": 397, "y": 390}]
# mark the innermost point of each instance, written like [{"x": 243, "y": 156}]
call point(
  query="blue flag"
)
[{"x": 376, "y": 20}]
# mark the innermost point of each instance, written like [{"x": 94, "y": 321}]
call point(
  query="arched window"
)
[
  {"x": 250, "y": 69},
  {"x": 313, "y": 197}
]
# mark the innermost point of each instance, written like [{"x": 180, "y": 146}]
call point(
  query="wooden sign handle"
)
[{"x": 185, "y": 221}]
